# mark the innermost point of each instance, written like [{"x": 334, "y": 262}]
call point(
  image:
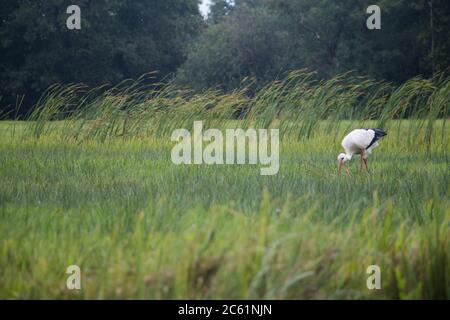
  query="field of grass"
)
[
  {"x": 142, "y": 227},
  {"x": 89, "y": 181}
]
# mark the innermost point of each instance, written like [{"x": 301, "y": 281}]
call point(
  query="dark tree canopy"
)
[
  {"x": 242, "y": 45},
  {"x": 262, "y": 39},
  {"x": 265, "y": 38},
  {"x": 118, "y": 39}
]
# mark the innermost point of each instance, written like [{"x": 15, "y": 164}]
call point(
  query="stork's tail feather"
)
[{"x": 379, "y": 133}]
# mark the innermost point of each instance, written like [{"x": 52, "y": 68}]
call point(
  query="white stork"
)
[{"x": 362, "y": 142}]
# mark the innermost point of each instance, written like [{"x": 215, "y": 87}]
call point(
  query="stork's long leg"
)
[
  {"x": 361, "y": 160},
  {"x": 365, "y": 162}
]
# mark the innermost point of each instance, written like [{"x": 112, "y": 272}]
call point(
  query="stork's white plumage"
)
[{"x": 362, "y": 142}]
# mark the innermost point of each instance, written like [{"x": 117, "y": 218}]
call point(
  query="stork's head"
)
[{"x": 341, "y": 159}]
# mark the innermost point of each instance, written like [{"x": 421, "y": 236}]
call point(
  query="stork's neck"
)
[{"x": 349, "y": 155}]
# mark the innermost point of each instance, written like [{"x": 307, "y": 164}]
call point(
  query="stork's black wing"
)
[{"x": 378, "y": 135}]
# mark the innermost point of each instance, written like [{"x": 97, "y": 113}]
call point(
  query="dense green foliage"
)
[
  {"x": 295, "y": 105},
  {"x": 118, "y": 40},
  {"x": 260, "y": 39},
  {"x": 265, "y": 38}
]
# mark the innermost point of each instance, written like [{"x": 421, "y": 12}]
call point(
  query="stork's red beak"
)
[{"x": 340, "y": 165}]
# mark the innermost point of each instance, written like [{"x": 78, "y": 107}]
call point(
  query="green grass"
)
[
  {"x": 88, "y": 180},
  {"x": 142, "y": 227}
]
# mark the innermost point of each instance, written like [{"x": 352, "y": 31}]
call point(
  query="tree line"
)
[{"x": 242, "y": 39}]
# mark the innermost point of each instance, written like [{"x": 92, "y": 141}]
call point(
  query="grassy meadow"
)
[{"x": 90, "y": 182}]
